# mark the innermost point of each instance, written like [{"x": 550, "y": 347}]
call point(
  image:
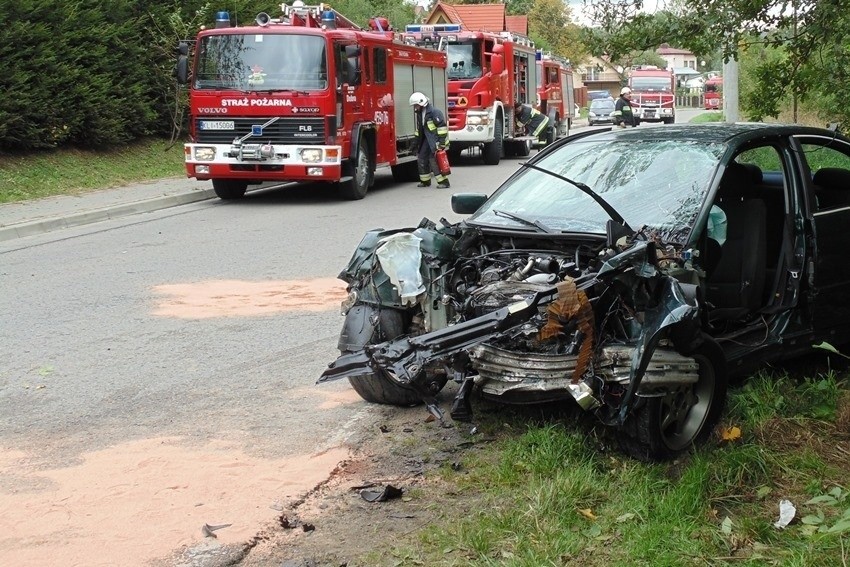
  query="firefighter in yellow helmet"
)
[{"x": 432, "y": 134}]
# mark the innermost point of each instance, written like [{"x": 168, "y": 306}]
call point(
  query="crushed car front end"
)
[{"x": 549, "y": 293}]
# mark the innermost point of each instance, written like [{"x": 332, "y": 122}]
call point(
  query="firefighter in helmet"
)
[
  {"x": 623, "y": 114},
  {"x": 532, "y": 119},
  {"x": 432, "y": 134}
]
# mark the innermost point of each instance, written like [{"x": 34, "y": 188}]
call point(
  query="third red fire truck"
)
[
  {"x": 713, "y": 93},
  {"x": 307, "y": 96},
  {"x": 653, "y": 94},
  {"x": 555, "y": 95},
  {"x": 487, "y": 72}
]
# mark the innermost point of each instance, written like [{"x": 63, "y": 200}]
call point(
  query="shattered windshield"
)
[
  {"x": 262, "y": 62},
  {"x": 660, "y": 184},
  {"x": 464, "y": 60}
]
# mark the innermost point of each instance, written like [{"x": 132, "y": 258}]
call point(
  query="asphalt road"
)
[{"x": 153, "y": 327}]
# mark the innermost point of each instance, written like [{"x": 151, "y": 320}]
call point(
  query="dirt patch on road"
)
[
  {"x": 136, "y": 502},
  {"x": 401, "y": 449},
  {"x": 236, "y": 298}
]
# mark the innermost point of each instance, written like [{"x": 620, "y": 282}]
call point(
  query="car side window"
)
[{"x": 829, "y": 164}]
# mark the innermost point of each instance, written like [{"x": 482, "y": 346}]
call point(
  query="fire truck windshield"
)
[
  {"x": 654, "y": 84},
  {"x": 262, "y": 62},
  {"x": 464, "y": 60}
]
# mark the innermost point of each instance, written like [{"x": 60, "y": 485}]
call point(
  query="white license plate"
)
[{"x": 217, "y": 125}]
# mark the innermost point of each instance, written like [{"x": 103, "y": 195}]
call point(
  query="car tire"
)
[
  {"x": 493, "y": 150},
  {"x": 360, "y": 171},
  {"x": 377, "y": 387},
  {"x": 660, "y": 428},
  {"x": 229, "y": 189}
]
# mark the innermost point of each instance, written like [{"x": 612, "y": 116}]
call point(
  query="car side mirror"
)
[{"x": 467, "y": 203}]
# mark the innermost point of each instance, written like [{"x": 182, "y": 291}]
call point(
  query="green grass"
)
[
  {"x": 552, "y": 494},
  {"x": 61, "y": 172},
  {"x": 707, "y": 117}
]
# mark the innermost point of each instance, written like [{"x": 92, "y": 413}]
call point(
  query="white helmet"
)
[
  {"x": 418, "y": 98},
  {"x": 625, "y": 90}
]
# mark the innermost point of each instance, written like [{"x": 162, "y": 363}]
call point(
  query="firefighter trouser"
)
[
  {"x": 541, "y": 127},
  {"x": 427, "y": 165}
]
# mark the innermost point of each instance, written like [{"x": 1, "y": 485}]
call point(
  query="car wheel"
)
[
  {"x": 663, "y": 427},
  {"x": 377, "y": 387},
  {"x": 493, "y": 150},
  {"x": 360, "y": 173},
  {"x": 228, "y": 189}
]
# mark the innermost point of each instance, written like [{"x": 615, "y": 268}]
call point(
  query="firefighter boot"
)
[
  {"x": 444, "y": 184},
  {"x": 424, "y": 184}
]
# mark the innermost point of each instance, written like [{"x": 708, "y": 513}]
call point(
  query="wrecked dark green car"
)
[{"x": 631, "y": 272}]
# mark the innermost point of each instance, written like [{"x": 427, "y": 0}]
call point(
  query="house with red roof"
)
[{"x": 478, "y": 17}]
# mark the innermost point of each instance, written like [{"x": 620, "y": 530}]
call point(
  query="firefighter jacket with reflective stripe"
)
[
  {"x": 623, "y": 113},
  {"x": 532, "y": 118},
  {"x": 431, "y": 126}
]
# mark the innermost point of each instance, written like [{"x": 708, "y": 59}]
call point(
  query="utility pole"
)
[{"x": 730, "y": 90}]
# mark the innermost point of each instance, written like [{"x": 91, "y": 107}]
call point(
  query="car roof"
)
[{"x": 715, "y": 132}]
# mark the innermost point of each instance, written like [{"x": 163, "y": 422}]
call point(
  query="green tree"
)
[
  {"x": 810, "y": 64},
  {"x": 550, "y": 26}
]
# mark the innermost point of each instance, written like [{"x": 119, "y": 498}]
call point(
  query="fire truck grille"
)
[{"x": 284, "y": 131}]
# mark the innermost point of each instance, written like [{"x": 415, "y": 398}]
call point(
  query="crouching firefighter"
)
[
  {"x": 432, "y": 134},
  {"x": 532, "y": 119}
]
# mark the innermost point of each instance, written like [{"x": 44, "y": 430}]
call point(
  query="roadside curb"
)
[{"x": 41, "y": 226}]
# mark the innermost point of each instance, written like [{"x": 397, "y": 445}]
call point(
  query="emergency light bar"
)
[{"x": 432, "y": 28}]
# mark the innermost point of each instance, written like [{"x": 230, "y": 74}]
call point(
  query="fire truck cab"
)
[
  {"x": 307, "y": 96},
  {"x": 555, "y": 94},
  {"x": 713, "y": 93},
  {"x": 653, "y": 94},
  {"x": 487, "y": 72}
]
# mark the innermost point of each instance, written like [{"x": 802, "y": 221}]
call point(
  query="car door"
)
[{"x": 827, "y": 160}]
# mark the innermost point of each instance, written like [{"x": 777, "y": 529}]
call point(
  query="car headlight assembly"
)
[{"x": 311, "y": 155}]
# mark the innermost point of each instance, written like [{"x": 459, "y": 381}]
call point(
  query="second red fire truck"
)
[
  {"x": 487, "y": 72},
  {"x": 555, "y": 94},
  {"x": 307, "y": 96},
  {"x": 653, "y": 94}
]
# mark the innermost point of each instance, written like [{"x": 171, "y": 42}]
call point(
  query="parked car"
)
[
  {"x": 600, "y": 112},
  {"x": 629, "y": 271}
]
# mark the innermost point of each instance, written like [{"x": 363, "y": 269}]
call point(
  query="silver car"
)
[{"x": 600, "y": 111}]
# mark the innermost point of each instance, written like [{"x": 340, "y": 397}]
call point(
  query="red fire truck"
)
[
  {"x": 308, "y": 96},
  {"x": 555, "y": 96},
  {"x": 653, "y": 94},
  {"x": 713, "y": 93},
  {"x": 487, "y": 72}
]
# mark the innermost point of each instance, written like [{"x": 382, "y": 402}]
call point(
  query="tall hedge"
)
[{"x": 98, "y": 73}]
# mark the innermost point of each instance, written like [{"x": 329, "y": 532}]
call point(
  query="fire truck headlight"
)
[
  {"x": 311, "y": 155},
  {"x": 204, "y": 153},
  {"x": 475, "y": 120}
]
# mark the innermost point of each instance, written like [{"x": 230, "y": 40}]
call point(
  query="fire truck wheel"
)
[
  {"x": 493, "y": 150},
  {"x": 229, "y": 189},
  {"x": 360, "y": 172}
]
